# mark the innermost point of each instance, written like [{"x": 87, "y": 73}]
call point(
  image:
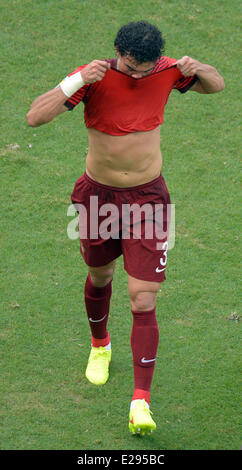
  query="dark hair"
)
[{"x": 141, "y": 40}]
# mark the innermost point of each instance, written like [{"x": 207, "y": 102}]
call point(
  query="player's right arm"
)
[
  {"x": 46, "y": 107},
  {"x": 49, "y": 105}
]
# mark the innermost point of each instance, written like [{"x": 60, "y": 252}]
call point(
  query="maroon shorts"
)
[{"x": 132, "y": 222}]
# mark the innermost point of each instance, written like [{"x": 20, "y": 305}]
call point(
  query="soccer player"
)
[{"x": 124, "y": 100}]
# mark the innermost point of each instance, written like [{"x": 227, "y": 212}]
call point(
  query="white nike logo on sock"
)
[
  {"x": 95, "y": 321},
  {"x": 143, "y": 360}
]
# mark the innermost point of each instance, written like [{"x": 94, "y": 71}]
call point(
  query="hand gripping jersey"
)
[{"x": 120, "y": 104}]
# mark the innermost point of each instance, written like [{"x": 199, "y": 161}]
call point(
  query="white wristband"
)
[{"x": 71, "y": 84}]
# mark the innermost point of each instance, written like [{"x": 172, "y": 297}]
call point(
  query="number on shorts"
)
[{"x": 163, "y": 259}]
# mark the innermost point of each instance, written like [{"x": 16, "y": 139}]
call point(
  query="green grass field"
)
[{"x": 46, "y": 402}]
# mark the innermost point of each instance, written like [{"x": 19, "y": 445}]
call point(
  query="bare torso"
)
[
  {"x": 124, "y": 161},
  {"x": 135, "y": 158}
]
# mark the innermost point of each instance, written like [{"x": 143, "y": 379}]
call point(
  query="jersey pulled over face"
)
[
  {"x": 134, "y": 101},
  {"x": 129, "y": 66}
]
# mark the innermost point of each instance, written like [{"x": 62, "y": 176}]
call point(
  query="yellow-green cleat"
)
[
  {"x": 140, "y": 421},
  {"x": 97, "y": 371}
]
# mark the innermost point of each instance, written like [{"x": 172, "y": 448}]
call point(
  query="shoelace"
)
[
  {"x": 98, "y": 354},
  {"x": 144, "y": 408}
]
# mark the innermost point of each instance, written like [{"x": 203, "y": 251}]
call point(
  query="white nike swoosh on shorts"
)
[
  {"x": 96, "y": 321},
  {"x": 159, "y": 270},
  {"x": 144, "y": 361}
]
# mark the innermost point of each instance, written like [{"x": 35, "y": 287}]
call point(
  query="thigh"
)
[
  {"x": 99, "y": 253},
  {"x": 145, "y": 243},
  {"x": 145, "y": 258},
  {"x": 88, "y": 198}
]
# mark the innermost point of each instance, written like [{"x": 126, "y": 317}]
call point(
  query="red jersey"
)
[{"x": 120, "y": 104}]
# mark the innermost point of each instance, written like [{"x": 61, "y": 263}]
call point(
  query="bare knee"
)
[
  {"x": 102, "y": 275},
  {"x": 143, "y": 301},
  {"x": 142, "y": 294}
]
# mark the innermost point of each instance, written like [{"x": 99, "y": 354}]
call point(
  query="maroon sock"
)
[
  {"x": 97, "y": 300},
  {"x": 144, "y": 344}
]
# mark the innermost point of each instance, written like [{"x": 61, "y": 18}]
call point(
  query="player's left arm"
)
[{"x": 209, "y": 80}]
